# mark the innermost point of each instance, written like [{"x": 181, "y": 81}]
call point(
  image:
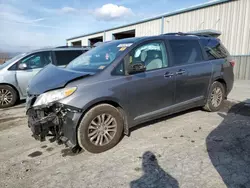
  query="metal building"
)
[{"x": 231, "y": 17}]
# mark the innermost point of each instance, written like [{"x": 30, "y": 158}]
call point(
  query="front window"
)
[
  {"x": 37, "y": 60},
  {"x": 98, "y": 58},
  {"x": 152, "y": 55},
  {"x": 10, "y": 61}
]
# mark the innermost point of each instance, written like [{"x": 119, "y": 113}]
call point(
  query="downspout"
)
[
  {"x": 104, "y": 36},
  {"x": 162, "y": 25}
]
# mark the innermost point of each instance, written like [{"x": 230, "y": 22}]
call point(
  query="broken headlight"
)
[{"x": 55, "y": 95}]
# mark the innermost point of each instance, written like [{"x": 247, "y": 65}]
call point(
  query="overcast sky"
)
[{"x": 31, "y": 24}]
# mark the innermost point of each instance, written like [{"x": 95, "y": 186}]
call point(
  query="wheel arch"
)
[
  {"x": 217, "y": 79},
  {"x": 111, "y": 102},
  {"x": 7, "y": 84},
  {"x": 223, "y": 82}
]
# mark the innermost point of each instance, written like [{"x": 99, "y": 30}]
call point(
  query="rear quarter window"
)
[
  {"x": 185, "y": 51},
  {"x": 64, "y": 57},
  {"x": 214, "y": 49}
]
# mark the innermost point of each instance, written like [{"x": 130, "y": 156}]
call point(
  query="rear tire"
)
[
  {"x": 100, "y": 129},
  {"x": 215, "y": 98},
  {"x": 8, "y": 96}
]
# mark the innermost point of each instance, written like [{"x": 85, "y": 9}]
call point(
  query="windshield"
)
[
  {"x": 98, "y": 58},
  {"x": 8, "y": 62}
]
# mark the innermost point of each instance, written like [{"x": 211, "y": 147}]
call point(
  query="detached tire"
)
[
  {"x": 100, "y": 129},
  {"x": 215, "y": 98},
  {"x": 8, "y": 96}
]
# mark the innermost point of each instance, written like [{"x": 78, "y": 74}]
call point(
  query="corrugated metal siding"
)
[
  {"x": 148, "y": 28},
  {"x": 232, "y": 19},
  {"x": 242, "y": 67},
  {"x": 144, "y": 29}
]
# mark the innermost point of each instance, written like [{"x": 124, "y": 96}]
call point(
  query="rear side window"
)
[
  {"x": 64, "y": 57},
  {"x": 185, "y": 51},
  {"x": 214, "y": 49}
]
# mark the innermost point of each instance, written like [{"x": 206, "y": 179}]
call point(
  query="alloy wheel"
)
[
  {"x": 102, "y": 129},
  {"x": 6, "y": 97},
  {"x": 216, "y": 97}
]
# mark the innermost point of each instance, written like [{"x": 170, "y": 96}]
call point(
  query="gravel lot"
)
[{"x": 190, "y": 149}]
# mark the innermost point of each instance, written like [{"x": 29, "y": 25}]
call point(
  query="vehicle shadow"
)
[
  {"x": 154, "y": 176},
  {"x": 228, "y": 146}
]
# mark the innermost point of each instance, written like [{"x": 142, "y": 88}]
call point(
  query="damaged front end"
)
[
  {"x": 48, "y": 114},
  {"x": 57, "y": 121}
]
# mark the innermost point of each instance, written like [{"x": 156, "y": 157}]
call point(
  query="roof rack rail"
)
[
  {"x": 177, "y": 33},
  {"x": 201, "y": 33},
  {"x": 207, "y": 32},
  {"x": 188, "y": 34}
]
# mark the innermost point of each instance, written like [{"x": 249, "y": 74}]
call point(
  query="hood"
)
[{"x": 52, "y": 77}]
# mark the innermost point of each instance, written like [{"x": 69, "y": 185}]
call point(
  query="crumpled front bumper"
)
[{"x": 57, "y": 121}]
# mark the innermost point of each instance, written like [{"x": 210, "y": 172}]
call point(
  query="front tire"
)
[
  {"x": 8, "y": 96},
  {"x": 100, "y": 129},
  {"x": 215, "y": 98}
]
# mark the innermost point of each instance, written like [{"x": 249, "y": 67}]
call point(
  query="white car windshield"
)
[{"x": 98, "y": 58}]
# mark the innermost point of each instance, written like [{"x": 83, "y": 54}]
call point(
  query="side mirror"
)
[
  {"x": 136, "y": 68},
  {"x": 22, "y": 66}
]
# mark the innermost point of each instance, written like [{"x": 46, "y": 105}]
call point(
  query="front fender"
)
[
  {"x": 112, "y": 101},
  {"x": 86, "y": 97},
  {"x": 99, "y": 100},
  {"x": 9, "y": 78}
]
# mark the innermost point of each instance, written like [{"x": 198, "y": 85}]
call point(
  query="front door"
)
[
  {"x": 149, "y": 93},
  {"x": 29, "y": 66},
  {"x": 192, "y": 72}
]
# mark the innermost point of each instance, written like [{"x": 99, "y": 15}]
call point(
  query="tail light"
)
[{"x": 232, "y": 63}]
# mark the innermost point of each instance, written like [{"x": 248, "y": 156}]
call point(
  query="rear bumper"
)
[{"x": 57, "y": 121}]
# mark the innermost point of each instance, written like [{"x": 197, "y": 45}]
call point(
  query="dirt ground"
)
[{"x": 190, "y": 149}]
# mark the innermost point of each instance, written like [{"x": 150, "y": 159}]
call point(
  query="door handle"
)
[
  {"x": 180, "y": 72},
  {"x": 168, "y": 75}
]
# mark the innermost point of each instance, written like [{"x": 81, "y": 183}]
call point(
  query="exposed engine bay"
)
[{"x": 53, "y": 121}]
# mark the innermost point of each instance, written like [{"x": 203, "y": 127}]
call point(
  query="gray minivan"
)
[
  {"x": 103, "y": 93},
  {"x": 16, "y": 73}
]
